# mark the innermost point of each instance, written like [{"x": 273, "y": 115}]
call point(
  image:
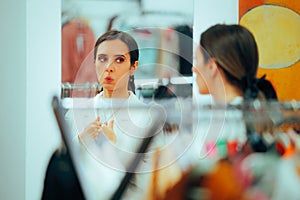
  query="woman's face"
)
[
  {"x": 201, "y": 71},
  {"x": 113, "y": 65}
]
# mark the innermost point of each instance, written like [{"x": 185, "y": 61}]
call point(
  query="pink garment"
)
[{"x": 77, "y": 53}]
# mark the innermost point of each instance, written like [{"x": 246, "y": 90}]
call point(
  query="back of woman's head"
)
[
  {"x": 235, "y": 51},
  {"x": 267, "y": 89}
]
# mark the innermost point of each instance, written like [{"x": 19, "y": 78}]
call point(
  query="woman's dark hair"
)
[
  {"x": 267, "y": 89},
  {"x": 236, "y": 53},
  {"x": 131, "y": 44}
]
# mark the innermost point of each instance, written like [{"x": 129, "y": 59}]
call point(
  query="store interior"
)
[{"x": 204, "y": 158}]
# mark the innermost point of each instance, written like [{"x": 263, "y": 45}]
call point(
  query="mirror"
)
[{"x": 162, "y": 30}]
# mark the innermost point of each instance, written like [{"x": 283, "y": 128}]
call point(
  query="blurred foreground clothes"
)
[
  {"x": 61, "y": 181},
  {"x": 248, "y": 175}
]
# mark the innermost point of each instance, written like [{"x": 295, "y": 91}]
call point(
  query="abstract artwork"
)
[{"x": 275, "y": 25}]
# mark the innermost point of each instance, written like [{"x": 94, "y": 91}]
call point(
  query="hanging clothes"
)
[
  {"x": 77, "y": 53},
  {"x": 185, "y": 37},
  {"x": 168, "y": 53}
]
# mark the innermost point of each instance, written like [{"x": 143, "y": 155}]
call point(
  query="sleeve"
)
[{"x": 69, "y": 117}]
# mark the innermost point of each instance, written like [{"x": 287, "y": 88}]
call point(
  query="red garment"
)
[{"x": 77, "y": 53}]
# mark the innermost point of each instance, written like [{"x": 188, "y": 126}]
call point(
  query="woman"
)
[
  {"x": 116, "y": 56},
  {"x": 226, "y": 66},
  {"x": 227, "y": 62},
  {"x": 116, "y": 133}
]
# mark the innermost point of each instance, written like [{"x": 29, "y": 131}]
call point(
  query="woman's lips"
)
[{"x": 108, "y": 79}]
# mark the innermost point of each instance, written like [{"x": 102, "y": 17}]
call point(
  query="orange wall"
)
[{"x": 285, "y": 80}]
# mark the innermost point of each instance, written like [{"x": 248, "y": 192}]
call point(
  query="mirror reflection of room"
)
[
  {"x": 227, "y": 150},
  {"x": 164, "y": 35}
]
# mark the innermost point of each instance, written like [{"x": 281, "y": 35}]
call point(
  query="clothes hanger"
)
[{"x": 268, "y": 122}]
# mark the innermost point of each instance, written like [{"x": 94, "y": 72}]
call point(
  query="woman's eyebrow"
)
[
  {"x": 118, "y": 55},
  {"x": 122, "y": 55}
]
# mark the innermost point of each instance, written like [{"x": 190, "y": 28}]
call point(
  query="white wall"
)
[
  {"x": 30, "y": 75},
  {"x": 43, "y": 70},
  {"x": 206, "y": 14},
  {"x": 13, "y": 99}
]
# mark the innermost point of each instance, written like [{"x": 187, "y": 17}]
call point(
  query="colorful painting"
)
[{"x": 275, "y": 25}]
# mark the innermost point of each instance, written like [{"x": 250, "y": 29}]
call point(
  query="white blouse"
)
[{"x": 104, "y": 163}]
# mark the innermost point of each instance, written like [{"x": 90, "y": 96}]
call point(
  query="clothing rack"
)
[
  {"x": 253, "y": 113},
  {"x": 260, "y": 117},
  {"x": 275, "y": 113},
  {"x": 261, "y": 167},
  {"x": 88, "y": 89},
  {"x": 259, "y": 111},
  {"x": 267, "y": 124}
]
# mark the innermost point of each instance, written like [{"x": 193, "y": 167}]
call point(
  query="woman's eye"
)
[
  {"x": 102, "y": 59},
  {"x": 120, "y": 60}
]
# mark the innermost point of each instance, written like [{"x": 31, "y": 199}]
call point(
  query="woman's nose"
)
[{"x": 109, "y": 67}]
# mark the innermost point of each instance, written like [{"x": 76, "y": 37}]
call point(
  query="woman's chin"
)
[
  {"x": 107, "y": 86},
  {"x": 203, "y": 91}
]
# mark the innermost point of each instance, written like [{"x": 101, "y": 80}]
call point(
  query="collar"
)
[
  {"x": 237, "y": 101},
  {"x": 99, "y": 101}
]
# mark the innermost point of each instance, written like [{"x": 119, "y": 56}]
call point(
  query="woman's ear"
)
[
  {"x": 194, "y": 69},
  {"x": 134, "y": 67},
  {"x": 213, "y": 68}
]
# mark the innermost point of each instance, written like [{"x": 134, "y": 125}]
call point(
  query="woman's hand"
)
[
  {"x": 109, "y": 131},
  {"x": 96, "y": 128},
  {"x": 93, "y": 130}
]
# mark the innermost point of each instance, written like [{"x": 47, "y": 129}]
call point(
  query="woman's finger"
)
[
  {"x": 109, "y": 133},
  {"x": 111, "y": 124}
]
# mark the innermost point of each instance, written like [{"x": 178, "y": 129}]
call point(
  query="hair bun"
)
[{"x": 251, "y": 87}]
